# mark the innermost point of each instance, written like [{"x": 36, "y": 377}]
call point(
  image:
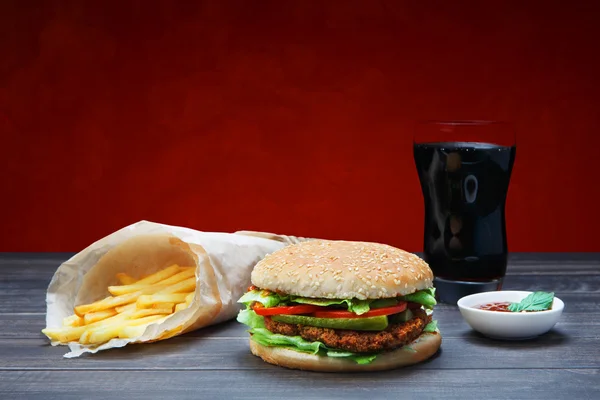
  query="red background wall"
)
[{"x": 287, "y": 116}]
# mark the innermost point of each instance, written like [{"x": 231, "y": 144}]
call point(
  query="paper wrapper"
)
[{"x": 223, "y": 261}]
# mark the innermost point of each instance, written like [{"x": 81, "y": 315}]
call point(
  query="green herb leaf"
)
[{"x": 536, "y": 301}]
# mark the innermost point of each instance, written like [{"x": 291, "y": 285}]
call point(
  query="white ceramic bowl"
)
[{"x": 508, "y": 325}]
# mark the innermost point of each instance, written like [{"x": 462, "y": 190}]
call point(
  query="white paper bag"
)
[{"x": 223, "y": 261}]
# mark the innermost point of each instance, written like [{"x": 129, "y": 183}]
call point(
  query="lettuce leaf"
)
[
  {"x": 424, "y": 297},
  {"x": 409, "y": 348},
  {"x": 270, "y": 299},
  {"x": 252, "y": 319},
  {"x": 431, "y": 327},
  {"x": 266, "y": 298},
  {"x": 358, "y": 358},
  {"x": 267, "y": 338},
  {"x": 354, "y": 305}
]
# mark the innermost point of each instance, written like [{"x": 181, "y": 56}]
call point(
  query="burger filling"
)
[{"x": 356, "y": 329}]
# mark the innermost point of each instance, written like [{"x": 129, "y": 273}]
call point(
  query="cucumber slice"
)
[
  {"x": 380, "y": 303},
  {"x": 404, "y": 316},
  {"x": 355, "y": 324}
]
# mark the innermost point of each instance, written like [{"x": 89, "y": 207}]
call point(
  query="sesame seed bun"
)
[
  {"x": 422, "y": 348},
  {"x": 335, "y": 269}
]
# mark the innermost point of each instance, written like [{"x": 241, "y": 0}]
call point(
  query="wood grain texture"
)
[
  {"x": 39, "y": 278},
  {"x": 28, "y": 326},
  {"x": 278, "y": 383},
  {"x": 555, "y": 350},
  {"x": 517, "y": 262},
  {"x": 24, "y": 278},
  {"x": 33, "y": 300},
  {"x": 216, "y": 362}
]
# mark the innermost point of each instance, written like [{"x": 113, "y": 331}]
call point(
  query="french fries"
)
[
  {"x": 128, "y": 307},
  {"x": 152, "y": 311},
  {"x": 183, "y": 287},
  {"x": 104, "y": 334},
  {"x": 133, "y": 306},
  {"x": 125, "y": 279},
  {"x": 73, "y": 320},
  {"x": 98, "y": 316},
  {"x": 147, "y": 301},
  {"x": 188, "y": 301},
  {"x": 160, "y": 275},
  {"x": 186, "y": 275},
  {"x": 189, "y": 298}
]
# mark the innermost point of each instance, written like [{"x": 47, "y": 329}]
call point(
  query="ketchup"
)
[{"x": 500, "y": 306}]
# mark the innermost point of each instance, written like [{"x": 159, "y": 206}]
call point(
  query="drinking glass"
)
[{"x": 464, "y": 169}]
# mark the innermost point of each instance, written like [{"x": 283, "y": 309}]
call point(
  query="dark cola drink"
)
[{"x": 464, "y": 186}]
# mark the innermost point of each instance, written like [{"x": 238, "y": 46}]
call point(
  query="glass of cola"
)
[{"x": 464, "y": 168}]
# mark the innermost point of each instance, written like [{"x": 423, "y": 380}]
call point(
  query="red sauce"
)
[{"x": 499, "y": 306}]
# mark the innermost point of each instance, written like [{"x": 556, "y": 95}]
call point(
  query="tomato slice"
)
[
  {"x": 289, "y": 310},
  {"x": 371, "y": 313}
]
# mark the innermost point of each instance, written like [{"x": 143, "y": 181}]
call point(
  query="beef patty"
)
[{"x": 394, "y": 336}]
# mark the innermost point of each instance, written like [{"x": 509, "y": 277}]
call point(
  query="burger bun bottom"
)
[{"x": 425, "y": 346}]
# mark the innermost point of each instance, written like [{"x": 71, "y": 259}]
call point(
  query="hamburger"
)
[{"x": 328, "y": 306}]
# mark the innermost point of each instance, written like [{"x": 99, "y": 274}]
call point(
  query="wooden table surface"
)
[{"x": 216, "y": 362}]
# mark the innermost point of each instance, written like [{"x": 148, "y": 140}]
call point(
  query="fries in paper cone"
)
[{"x": 150, "y": 282}]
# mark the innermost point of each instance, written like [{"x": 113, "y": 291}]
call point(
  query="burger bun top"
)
[{"x": 336, "y": 269}]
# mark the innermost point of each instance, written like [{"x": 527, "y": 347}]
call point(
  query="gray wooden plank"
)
[
  {"x": 35, "y": 256},
  {"x": 16, "y": 300},
  {"x": 22, "y": 300},
  {"x": 27, "y": 270},
  {"x": 36, "y": 277},
  {"x": 24, "y": 291},
  {"x": 464, "y": 351},
  {"x": 553, "y": 282},
  {"x": 18, "y": 265},
  {"x": 192, "y": 365},
  {"x": 275, "y": 382},
  {"x": 553, "y": 260},
  {"x": 25, "y": 284},
  {"x": 572, "y": 323},
  {"x": 518, "y": 263}
]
